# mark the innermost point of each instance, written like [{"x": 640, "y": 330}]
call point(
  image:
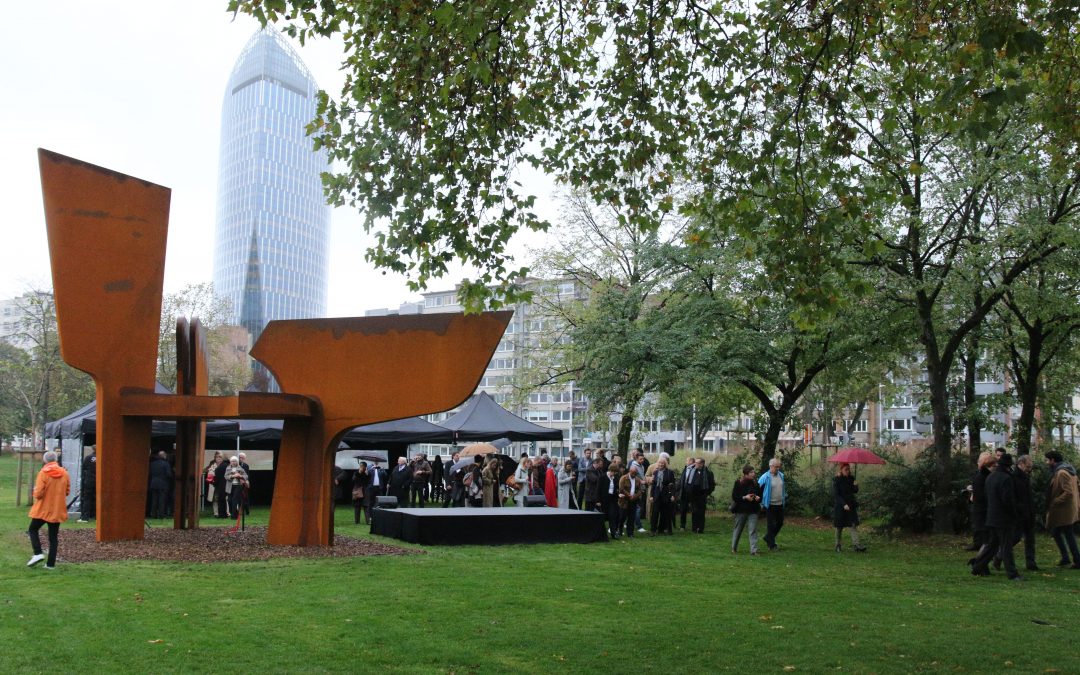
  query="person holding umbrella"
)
[{"x": 845, "y": 506}]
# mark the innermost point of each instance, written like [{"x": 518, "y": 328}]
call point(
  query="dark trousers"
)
[
  {"x": 697, "y": 512},
  {"x": 220, "y": 497},
  {"x": 684, "y": 509},
  {"x": 418, "y": 495},
  {"x": 360, "y": 506},
  {"x": 54, "y": 538},
  {"x": 157, "y": 503},
  {"x": 236, "y": 500},
  {"x": 999, "y": 544},
  {"x": 88, "y": 502},
  {"x": 1066, "y": 543},
  {"x": 626, "y": 518},
  {"x": 1026, "y": 532},
  {"x": 663, "y": 516},
  {"x": 614, "y": 517},
  {"x": 774, "y": 522}
]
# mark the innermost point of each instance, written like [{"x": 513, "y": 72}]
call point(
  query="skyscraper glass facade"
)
[{"x": 273, "y": 224}]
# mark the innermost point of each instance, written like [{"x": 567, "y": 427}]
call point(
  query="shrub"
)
[{"x": 903, "y": 497}]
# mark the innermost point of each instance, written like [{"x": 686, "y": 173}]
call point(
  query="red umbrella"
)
[{"x": 855, "y": 456}]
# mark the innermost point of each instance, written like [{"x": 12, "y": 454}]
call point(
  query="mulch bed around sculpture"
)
[{"x": 205, "y": 545}]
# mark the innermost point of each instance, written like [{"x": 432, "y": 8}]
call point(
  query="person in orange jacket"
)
[{"x": 50, "y": 507}]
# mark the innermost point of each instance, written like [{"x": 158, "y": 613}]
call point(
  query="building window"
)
[
  {"x": 860, "y": 426},
  {"x": 903, "y": 424}
]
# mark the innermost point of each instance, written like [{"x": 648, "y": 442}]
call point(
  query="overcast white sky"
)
[{"x": 137, "y": 86}]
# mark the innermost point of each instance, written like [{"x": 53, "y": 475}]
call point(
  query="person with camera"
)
[
  {"x": 421, "y": 473},
  {"x": 360, "y": 481}
]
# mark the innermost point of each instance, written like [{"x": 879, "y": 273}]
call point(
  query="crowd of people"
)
[
  {"x": 631, "y": 495},
  {"x": 226, "y": 486},
  {"x": 1003, "y": 512}
]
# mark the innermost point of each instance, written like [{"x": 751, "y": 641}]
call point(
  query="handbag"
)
[{"x": 358, "y": 493}]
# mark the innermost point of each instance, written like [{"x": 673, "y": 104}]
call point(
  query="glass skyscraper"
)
[{"x": 273, "y": 223}]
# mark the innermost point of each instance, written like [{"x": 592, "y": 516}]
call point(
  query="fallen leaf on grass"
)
[
  {"x": 789, "y": 668},
  {"x": 778, "y": 628},
  {"x": 155, "y": 642},
  {"x": 765, "y": 617},
  {"x": 568, "y": 589}
]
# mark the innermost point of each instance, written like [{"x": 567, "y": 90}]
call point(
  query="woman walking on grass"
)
[
  {"x": 845, "y": 507},
  {"x": 745, "y": 505}
]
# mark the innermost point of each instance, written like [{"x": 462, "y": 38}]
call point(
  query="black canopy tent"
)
[
  {"x": 482, "y": 419},
  {"x": 396, "y": 433}
]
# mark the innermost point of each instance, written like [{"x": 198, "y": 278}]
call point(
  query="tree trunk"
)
[
  {"x": 625, "y": 427},
  {"x": 1027, "y": 390},
  {"x": 860, "y": 407},
  {"x": 772, "y": 436},
  {"x": 939, "y": 403},
  {"x": 971, "y": 403}
]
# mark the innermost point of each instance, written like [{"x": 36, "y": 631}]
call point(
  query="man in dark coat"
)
[
  {"x": 609, "y": 498},
  {"x": 400, "y": 480},
  {"x": 160, "y": 478},
  {"x": 1025, "y": 509},
  {"x": 662, "y": 491},
  {"x": 591, "y": 493},
  {"x": 700, "y": 485},
  {"x": 219, "y": 490},
  {"x": 88, "y": 487},
  {"x": 1001, "y": 521},
  {"x": 683, "y": 492},
  {"x": 246, "y": 495},
  {"x": 978, "y": 499}
]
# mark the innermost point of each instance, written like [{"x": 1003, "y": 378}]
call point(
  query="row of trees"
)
[{"x": 835, "y": 175}]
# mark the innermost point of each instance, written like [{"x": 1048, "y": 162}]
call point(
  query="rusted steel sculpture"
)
[
  {"x": 192, "y": 379},
  {"x": 107, "y": 234}
]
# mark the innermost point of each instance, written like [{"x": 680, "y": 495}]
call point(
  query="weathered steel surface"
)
[
  {"x": 107, "y": 235},
  {"x": 192, "y": 379},
  {"x": 362, "y": 371}
]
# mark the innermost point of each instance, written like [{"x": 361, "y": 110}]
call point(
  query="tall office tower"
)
[{"x": 273, "y": 223}]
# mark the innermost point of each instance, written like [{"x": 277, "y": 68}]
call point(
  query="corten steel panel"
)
[
  {"x": 107, "y": 236},
  {"x": 362, "y": 371},
  {"x": 192, "y": 379},
  {"x": 374, "y": 369}
]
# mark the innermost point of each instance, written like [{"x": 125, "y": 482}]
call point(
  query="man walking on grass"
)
[
  {"x": 773, "y": 499},
  {"x": 50, "y": 508}
]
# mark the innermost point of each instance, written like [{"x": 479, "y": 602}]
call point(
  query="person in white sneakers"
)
[{"x": 50, "y": 507}]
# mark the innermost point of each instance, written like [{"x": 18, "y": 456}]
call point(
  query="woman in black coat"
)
[{"x": 845, "y": 506}]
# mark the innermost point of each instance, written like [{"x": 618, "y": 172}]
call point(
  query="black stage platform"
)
[{"x": 499, "y": 525}]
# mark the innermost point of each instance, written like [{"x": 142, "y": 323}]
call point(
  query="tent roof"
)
[
  {"x": 397, "y": 432},
  {"x": 482, "y": 419}
]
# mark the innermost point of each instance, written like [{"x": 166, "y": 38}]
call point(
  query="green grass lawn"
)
[{"x": 670, "y": 604}]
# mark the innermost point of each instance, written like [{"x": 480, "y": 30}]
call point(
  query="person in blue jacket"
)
[{"x": 773, "y": 499}]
